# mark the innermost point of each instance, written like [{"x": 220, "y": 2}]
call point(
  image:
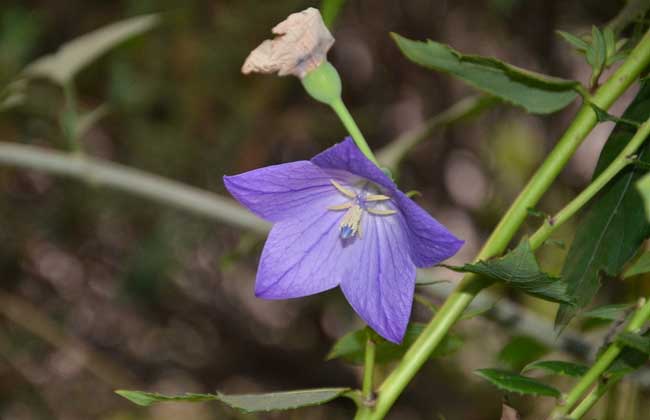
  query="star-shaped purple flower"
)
[{"x": 340, "y": 221}]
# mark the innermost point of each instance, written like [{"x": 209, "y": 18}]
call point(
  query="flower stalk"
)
[
  {"x": 639, "y": 318},
  {"x": 625, "y": 158},
  {"x": 368, "y": 369},
  {"x": 472, "y": 284}
]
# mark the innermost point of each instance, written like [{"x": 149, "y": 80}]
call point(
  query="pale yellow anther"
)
[
  {"x": 377, "y": 197},
  {"x": 343, "y": 190},
  {"x": 343, "y": 206},
  {"x": 381, "y": 212}
]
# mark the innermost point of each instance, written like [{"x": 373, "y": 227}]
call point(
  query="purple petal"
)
[
  {"x": 281, "y": 191},
  {"x": 347, "y": 156},
  {"x": 301, "y": 256},
  {"x": 430, "y": 242},
  {"x": 380, "y": 277}
]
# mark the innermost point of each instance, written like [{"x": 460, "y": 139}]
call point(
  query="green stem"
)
[
  {"x": 472, "y": 284},
  {"x": 592, "y": 398},
  {"x": 621, "y": 161},
  {"x": 639, "y": 318},
  {"x": 393, "y": 153},
  {"x": 364, "y": 410},
  {"x": 368, "y": 369},
  {"x": 134, "y": 181},
  {"x": 346, "y": 118},
  {"x": 69, "y": 117}
]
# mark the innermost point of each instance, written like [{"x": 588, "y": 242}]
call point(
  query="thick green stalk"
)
[
  {"x": 368, "y": 369},
  {"x": 622, "y": 160},
  {"x": 592, "y": 398},
  {"x": 364, "y": 410},
  {"x": 346, "y": 118},
  {"x": 640, "y": 317},
  {"x": 471, "y": 284}
]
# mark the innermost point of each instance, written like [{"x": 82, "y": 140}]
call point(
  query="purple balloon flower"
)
[{"x": 340, "y": 221}]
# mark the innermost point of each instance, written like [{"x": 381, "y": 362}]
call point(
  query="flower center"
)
[{"x": 359, "y": 203}]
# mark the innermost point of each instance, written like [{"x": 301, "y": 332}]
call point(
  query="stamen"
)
[
  {"x": 350, "y": 223},
  {"x": 343, "y": 190},
  {"x": 377, "y": 197},
  {"x": 343, "y": 206}
]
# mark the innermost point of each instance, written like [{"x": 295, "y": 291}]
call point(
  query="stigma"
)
[{"x": 359, "y": 203}]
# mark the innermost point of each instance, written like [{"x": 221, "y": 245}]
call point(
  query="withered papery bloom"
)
[
  {"x": 301, "y": 45},
  {"x": 340, "y": 221}
]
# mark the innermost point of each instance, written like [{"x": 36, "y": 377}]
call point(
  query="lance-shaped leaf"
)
[
  {"x": 513, "y": 382},
  {"x": 640, "y": 266},
  {"x": 351, "y": 347},
  {"x": 558, "y": 367},
  {"x": 248, "y": 403},
  {"x": 519, "y": 269},
  {"x": 613, "y": 312},
  {"x": 537, "y": 93},
  {"x": 615, "y": 225},
  {"x": 73, "y": 56}
]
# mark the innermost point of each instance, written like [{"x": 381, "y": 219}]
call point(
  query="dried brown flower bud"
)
[{"x": 301, "y": 45}]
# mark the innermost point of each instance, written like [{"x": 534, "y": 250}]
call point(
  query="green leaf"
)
[
  {"x": 248, "y": 403},
  {"x": 613, "y": 228},
  {"x": 640, "y": 266},
  {"x": 537, "y": 93},
  {"x": 579, "y": 43},
  {"x": 635, "y": 341},
  {"x": 351, "y": 347},
  {"x": 513, "y": 382},
  {"x": 147, "y": 398},
  {"x": 62, "y": 66},
  {"x": 519, "y": 269},
  {"x": 557, "y": 367},
  {"x": 521, "y": 350},
  {"x": 612, "y": 312},
  {"x": 610, "y": 42},
  {"x": 597, "y": 54}
]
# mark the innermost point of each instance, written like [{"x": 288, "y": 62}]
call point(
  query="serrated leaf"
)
[
  {"x": 519, "y": 269},
  {"x": 521, "y": 350},
  {"x": 73, "y": 56},
  {"x": 145, "y": 399},
  {"x": 351, "y": 347},
  {"x": 512, "y": 382},
  {"x": 640, "y": 266},
  {"x": 635, "y": 341},
  {"x": 615, "y": 225},
  {"x": 577, "y": 42},
  {"x": 248, "y": 403},
  {"x": 613, "y": 312},
  {"x": 557, "y": 367},
  {"x": 537, "y": 93}
]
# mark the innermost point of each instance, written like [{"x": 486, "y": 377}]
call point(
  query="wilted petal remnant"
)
[
  {"x": 301, "y": 45},
  {"x": 340, "y": 221}
]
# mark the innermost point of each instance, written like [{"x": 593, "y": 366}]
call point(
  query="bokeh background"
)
[{"x": 103, "y": 290}]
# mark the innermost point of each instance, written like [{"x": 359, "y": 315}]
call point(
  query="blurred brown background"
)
[{"x": 163, "y": 300}]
